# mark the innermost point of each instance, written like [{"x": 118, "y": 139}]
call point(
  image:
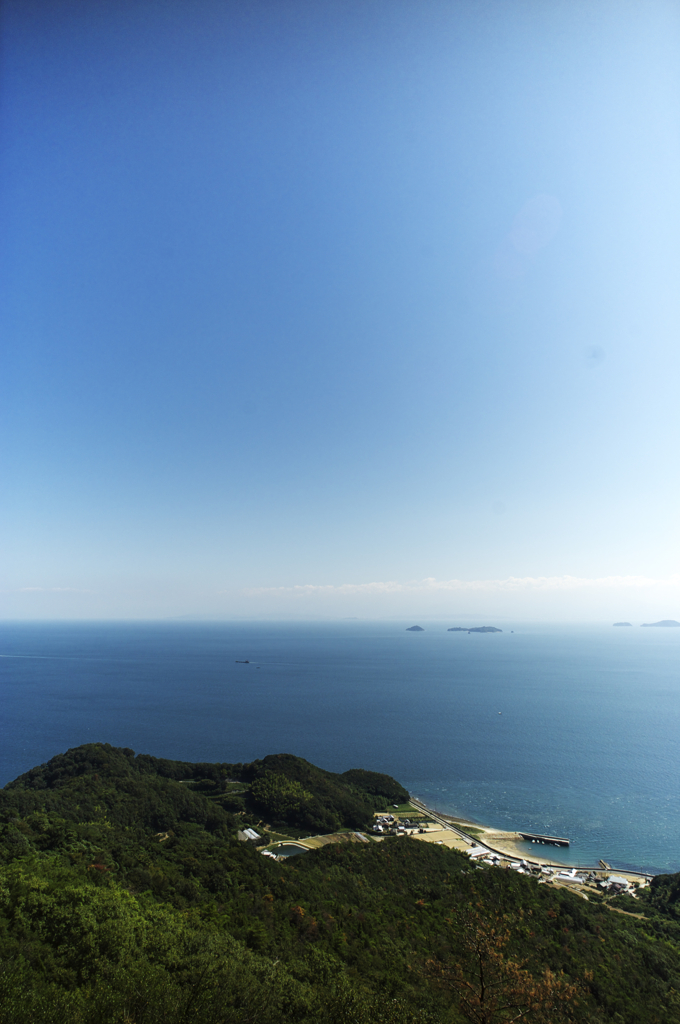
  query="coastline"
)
[
  {"x": 484, "y": 845},
  {"x": 510, "y": 846}
]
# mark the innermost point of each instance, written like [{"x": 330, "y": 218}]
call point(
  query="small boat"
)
[{"x": 242, "y": 662}]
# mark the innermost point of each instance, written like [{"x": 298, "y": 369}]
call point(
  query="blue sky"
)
[{"x": 340, "y": 308}]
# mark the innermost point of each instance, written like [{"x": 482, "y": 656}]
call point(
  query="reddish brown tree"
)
[{"x": 494, "y": 988}]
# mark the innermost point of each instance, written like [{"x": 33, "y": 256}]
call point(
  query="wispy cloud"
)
[{"x": 510, "y": 584}]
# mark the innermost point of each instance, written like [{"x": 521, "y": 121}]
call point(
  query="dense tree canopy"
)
[{"x": 125, "y": 896}]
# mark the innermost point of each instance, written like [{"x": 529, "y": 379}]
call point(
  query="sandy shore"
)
[{"x": 508, "y": 844}]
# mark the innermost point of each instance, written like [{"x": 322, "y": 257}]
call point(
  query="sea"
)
[{"x": 567, "y": 730}]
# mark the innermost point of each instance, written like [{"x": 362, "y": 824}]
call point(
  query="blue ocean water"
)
[{"x": 587, "y": 744}]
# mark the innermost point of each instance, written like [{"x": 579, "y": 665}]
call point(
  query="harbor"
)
[
  {"x": 532, "y": 837},
  {"x": 508, "y": 849}
]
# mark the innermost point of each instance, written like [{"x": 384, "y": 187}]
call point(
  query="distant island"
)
[
  {"x": 415, "y": 629},
  {"x": 664, "y": 622},
  {"x": 474, "y": 629},
  {"x": 623, "y": 623}
]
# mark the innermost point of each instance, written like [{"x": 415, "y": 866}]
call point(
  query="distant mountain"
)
[
  {"x": 474, "y": 629},
  {"x": 415, "y": 629},
  {"x": 623, "y": 623},
  {"x": 664, "y": 622}
]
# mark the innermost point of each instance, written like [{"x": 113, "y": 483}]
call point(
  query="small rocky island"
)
[
  {"x": 415, "y": 629},
  {"x": 623, "y": 623},
  {"x": 664, "y": 622},
  {"x": 474, "y": 629}
]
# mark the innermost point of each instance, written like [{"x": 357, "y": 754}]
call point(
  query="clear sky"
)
[{"x": 317, "y": 308}]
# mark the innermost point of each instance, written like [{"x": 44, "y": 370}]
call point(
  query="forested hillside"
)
[{"x": 126, "y": 898}]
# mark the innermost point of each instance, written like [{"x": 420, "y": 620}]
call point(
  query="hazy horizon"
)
[{"x": 344, "y": 309}]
